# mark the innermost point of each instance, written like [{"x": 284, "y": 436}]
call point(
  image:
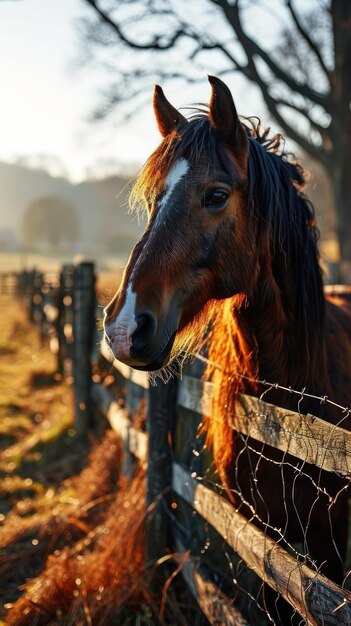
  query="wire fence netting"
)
[{"x": 298, "y": 502}]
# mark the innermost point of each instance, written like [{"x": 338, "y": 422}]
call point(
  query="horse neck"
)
[
  {"x": 260, "y": 337},
  {"x": 269, "y": 326},
  {"x": 289, "y": 340}
]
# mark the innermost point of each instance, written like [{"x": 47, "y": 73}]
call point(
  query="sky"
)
[{"x": 46, "y": 98}]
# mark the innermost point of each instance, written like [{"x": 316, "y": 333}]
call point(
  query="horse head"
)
[{"x": 199, "y": 245}]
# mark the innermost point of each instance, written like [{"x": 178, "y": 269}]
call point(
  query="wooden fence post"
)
[
  {"x": 25, "y": 287},
  {"x": 21, "y": 282},
  {"x": 29, "y": 293},
  {"x": 35, "y": 312},
  {"x": 161, "y": 418},
  {"x": 65, "y": 316},
  {"x": 84, "y": 321}
]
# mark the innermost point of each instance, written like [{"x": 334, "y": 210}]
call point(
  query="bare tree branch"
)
[
  {"x": 305, "y": 111},
  {"x": 321, "y": 130},
  {"x": 252, "y": 49},
  {"x": 204, "y": 42},
  {"x": 312, "y": 45},
  {"x": 153, "y": 45},
  {"x": 217, "y": 46},
  {"x": 273, "y": 106}
]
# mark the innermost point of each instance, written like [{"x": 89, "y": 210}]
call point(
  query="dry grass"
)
[
  {"x": 98, "y": 579},
  {"x": 27, "y": 416},
  {"x": 71, "y": 528},
  {"x": 64, "y": 541}
]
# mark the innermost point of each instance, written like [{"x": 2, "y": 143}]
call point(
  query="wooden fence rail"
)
[
  {"x": 306, "y": 437},
  {"x": 171, "y": 485}
]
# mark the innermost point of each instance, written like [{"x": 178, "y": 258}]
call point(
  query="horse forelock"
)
[{"x": 198, "y": 142}]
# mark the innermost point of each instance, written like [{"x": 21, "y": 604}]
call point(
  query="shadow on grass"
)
[
  {"x": 7, "y": 351},
  {"x": 38, "y": 380}
]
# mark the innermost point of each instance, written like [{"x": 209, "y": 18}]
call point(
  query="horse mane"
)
[{"x": 289, "y": 288}]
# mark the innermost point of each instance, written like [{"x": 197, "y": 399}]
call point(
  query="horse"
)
[{"x": 229, "y": 260}]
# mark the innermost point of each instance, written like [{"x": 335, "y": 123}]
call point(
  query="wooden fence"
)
[
  {"x": 314, "y": 597},
  {"x": 206, "y": 534},
  {"x": 64, "y": 307}
]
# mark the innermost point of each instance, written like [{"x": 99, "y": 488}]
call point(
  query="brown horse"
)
[{"x": 231, "y": 245}]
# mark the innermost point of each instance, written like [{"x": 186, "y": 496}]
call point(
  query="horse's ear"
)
[
  {"x": 167, "y": 116},
  {"x": 224, "y": 117}
]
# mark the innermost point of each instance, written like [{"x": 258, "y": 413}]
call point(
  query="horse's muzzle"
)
[
  {"x": 143, "y": 335},
  {"x": 142, "y": 343},
  {"x": 158, "y": 362}
]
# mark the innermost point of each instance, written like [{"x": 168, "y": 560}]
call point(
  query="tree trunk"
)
[
  {"x": 340, "y": 131},
  {"x": 341, "y": 181}
]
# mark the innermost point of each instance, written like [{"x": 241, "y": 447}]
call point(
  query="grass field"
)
[
  {"x": 71, "y": 527},
  {"x": 34, "y": 408},
  {"x": 37, "y": 440},
  {"x": 49, "y": 479}
]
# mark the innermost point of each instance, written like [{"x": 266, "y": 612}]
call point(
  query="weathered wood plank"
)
[
  {"x": 317, "y": 599},
  {"x": 309, "y": 438},
  {"x": 101, "y": 397},
  {"x": 119, "y": 420},
  {"x": 306, "y": 437},
  {"x": 138, "y": 443},
  {"x": 135, "y": 376},
  {"x": 65, "y": 321},
  {"x": 136, "y": 440},
  {"x": 35, "y": 309},
  {"x": 218, "y": 609},
  {"x": 83, "y": 323},
  {"x": 161, "y": 416},
  {"x": 194, "y": 394}
]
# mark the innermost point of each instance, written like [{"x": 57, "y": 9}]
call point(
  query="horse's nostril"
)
[{"x": 145, "y": 331}]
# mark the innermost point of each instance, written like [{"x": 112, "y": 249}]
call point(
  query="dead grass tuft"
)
[{"x": 100, "y": 578}]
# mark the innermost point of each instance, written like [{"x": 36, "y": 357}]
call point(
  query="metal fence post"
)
[{"x": 84, "y": 321}]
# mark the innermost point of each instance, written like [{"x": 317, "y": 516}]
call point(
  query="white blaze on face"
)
[
  {"x": 120, "y": 331},
  {"x": 174, "y": 176}
]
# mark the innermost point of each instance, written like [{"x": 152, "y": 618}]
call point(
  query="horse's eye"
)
[{"x": 216, "y": 199}]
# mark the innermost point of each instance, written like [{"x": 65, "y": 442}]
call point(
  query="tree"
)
[
  {"x": 51, "y": 222},
  {"x": 305, "y": 79}
]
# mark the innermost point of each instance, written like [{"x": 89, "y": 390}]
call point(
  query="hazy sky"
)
[{"x": 46, "y": 99}]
